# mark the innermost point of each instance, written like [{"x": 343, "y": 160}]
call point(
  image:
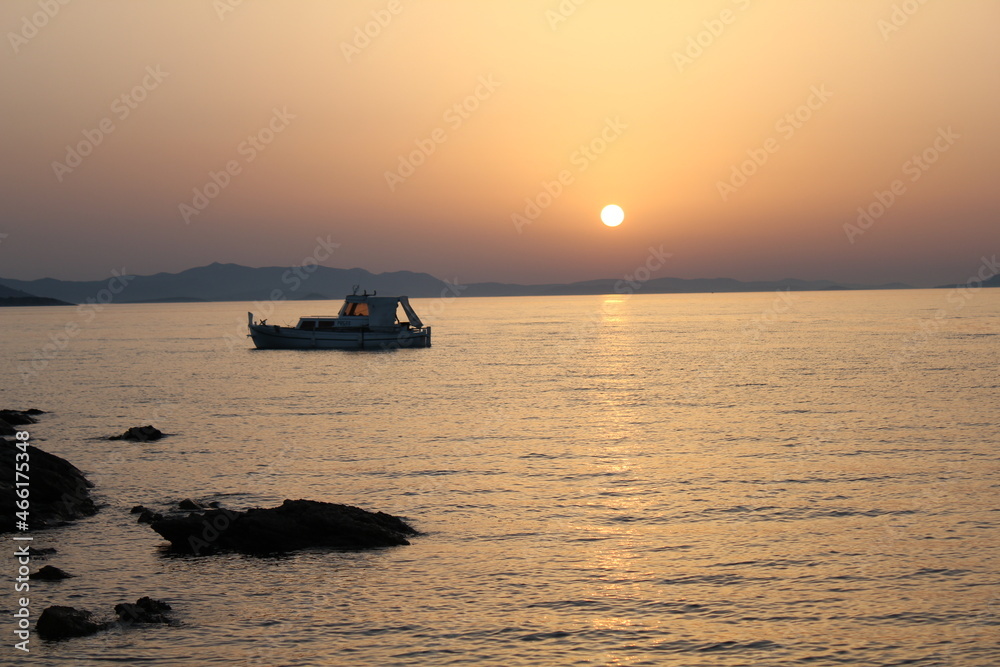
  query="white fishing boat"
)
[{"x": 365, "y": 322}]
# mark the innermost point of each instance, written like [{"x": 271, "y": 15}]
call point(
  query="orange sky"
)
[{"x": 741, "y": 135}]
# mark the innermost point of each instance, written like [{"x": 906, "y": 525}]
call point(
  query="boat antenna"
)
[{"x": 355, "y": 290}]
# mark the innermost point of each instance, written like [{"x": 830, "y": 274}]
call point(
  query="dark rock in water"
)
[
  {"x": 188, "y": 504},
  {"x": 59, "y": 491},
  {"x": 296, "y": 524},
  {"x": 64, "y": 622},
  {"x": 7, "y": 429},
  {"x": 34, "y": 412},
  {"x": 148, "y": 516},
  {"x": 145, "y": 610},
  {"x": 139, "y": 434},
  {"x": 138, "y": 509},
  {"x": 50, "y": 573},
  {"x": 20, "y": 417}
]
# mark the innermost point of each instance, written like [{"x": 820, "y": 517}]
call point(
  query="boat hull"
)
[{"x": 272, "y": 337}]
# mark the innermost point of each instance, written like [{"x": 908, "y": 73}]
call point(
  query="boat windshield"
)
[{"x": 356, "y": 309}]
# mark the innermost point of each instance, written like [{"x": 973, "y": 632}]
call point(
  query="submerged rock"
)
[
  {"x": 140, "y": 434},
  {"x": 188, "y": 504},
  {"x": 50, "y": 573},
  {"x": 59, "y": 491},
  {"x": 63, "y": 622},
  {"x": 296, "y": 524},
  {"x": 145, "y": 610}
]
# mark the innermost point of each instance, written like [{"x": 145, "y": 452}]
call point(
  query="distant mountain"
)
[
  {"x": 666, "y": 286},
  {"x": 232, "y": 282},
  {"x": 989, "y": 282},
  {"x": 14, "y": 297}
]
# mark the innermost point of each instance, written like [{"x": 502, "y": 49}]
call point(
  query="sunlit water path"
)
[{"x": 715, "y": 479}]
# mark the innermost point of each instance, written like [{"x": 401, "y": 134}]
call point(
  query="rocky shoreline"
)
[{"x": 60, "y": 493}]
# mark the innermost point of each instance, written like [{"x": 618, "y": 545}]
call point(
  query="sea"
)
[{"x": 778, "y": 478}]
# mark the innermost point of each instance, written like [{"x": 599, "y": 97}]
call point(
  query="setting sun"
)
[{"x": 612, "y": 215}]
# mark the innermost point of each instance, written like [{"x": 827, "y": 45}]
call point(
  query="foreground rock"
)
[
  {"x": 296, "y": 524},
  {"x": 65, "y": 622},
  {"x": 59, "y": 491},
  {"x": 145, "y": 610},
  {"x": 20, "y": 417},
  {"x": 140, "y": 434}
]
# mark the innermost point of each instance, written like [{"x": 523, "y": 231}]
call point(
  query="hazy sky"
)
[{"x": 742, "y": 136}]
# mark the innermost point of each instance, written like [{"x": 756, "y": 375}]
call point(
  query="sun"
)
[{"x": 612, "y": 215}]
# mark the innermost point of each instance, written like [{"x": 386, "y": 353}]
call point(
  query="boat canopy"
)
[
  {"x": 381, "y": 310},
  {"x": 408, "y": 309}
]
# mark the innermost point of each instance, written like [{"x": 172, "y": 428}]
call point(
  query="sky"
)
[{"x": 479, "y": 140}]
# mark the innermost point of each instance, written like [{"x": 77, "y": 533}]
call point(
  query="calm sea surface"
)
[{"x": 714, "y": 479}]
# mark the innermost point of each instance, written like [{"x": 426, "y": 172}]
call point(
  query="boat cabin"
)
[{"x": 368, "y": 312}]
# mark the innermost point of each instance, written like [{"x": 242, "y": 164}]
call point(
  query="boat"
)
[{"x": 365, "y": 322}]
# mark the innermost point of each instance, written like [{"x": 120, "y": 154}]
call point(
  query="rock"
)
[
  {"x": 188, "y": 504},
  {"x": 63, "y": 622},
  {"x": 296, "y": 524},
  {"x": 139, "y": 434},
  {"x": 148, "y": 516},
  {"x": 7, "y": 429},
  {"x": 145, "y": 610},
  {"x": 138, "y": 509},
  {"x": 59, "y": 491},
  {"x": 50, "y": 573},
  {"x": 19, "y": 417}
]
